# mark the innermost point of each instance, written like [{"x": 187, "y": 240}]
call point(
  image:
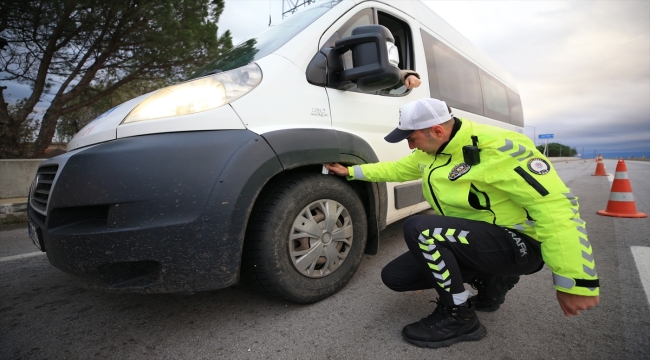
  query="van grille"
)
[{"x": 40, "y": 191}]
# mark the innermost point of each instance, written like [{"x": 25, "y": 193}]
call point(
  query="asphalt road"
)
[{"x": 44, "y": 314}]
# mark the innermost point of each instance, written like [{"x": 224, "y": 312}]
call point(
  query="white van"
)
[{"x": 194, "y": 185}]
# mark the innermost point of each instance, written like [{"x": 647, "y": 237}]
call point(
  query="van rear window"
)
[
  {"x": 461, "y": 84},
  {"x": 452, "y": 77}
]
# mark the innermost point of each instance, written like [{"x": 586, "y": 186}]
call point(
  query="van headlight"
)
[{"x": 197, "y": 95}]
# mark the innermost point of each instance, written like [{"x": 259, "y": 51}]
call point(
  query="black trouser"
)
[{"x": 444, "y": 252}]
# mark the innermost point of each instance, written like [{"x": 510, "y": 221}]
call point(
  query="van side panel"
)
[{"x": 283, "y": 100}]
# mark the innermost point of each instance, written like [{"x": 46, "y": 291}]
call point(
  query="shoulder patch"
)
[
  {"x": 538, "y": 166},
  {"x": 459, "y": 170}
]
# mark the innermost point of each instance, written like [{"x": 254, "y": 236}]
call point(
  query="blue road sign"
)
[{"x": 545, "y": 136}]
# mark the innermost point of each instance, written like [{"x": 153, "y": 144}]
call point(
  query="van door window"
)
[
  {"x": 363, "y": 17},
  {"x": 402, "y": 34}
]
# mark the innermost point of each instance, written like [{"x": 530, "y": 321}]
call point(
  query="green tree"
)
[
  {"x": 83, "y": 51},
  {"x": 24, "y": 130},
  {"x": 557, "y": 150}
]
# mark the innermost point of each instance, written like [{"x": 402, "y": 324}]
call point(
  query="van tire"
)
[{"x": 269, "y": 256}]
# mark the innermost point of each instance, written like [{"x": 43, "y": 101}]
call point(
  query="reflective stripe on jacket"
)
[{"x": 514, "y": 186}]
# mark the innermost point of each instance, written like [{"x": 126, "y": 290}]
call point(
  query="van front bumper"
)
[{"x": 153, "y": 213}]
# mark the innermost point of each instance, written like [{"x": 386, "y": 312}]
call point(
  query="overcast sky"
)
[{"x": 582, "y": 67}]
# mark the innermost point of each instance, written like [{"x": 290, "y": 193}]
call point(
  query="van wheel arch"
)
[
  {"x": 372, "y": 195},
  {"x": 305, "y": 150}
]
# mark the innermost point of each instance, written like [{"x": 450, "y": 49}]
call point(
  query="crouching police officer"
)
[{"x": 504, "y": 212}]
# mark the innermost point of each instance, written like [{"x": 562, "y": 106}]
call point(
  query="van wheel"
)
[{"x": 305, "y": 238}]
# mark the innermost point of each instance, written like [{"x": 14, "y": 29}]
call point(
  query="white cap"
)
[{"x": 419, "y": 114}]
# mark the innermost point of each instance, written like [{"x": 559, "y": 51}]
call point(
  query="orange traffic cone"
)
[
  {"x": 621, "y": 203},
  {"x": 600, "y": 167}
]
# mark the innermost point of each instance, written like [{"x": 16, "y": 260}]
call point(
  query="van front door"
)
[{"x": 373, "y": 115}]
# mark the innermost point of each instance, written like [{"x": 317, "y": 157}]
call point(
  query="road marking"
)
[
  {"x": 641, "y": 255},
  {"x": 610, "y": 177},
  {"x": 21, "y": 256}
]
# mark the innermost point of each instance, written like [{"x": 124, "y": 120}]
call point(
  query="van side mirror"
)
[{"x": 374, "y": 61}]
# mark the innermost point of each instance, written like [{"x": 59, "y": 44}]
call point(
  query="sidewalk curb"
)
[{"x": 13, "y": 213}]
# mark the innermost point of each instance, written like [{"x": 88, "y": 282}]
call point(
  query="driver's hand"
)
[{"x": 412, "y": 81}]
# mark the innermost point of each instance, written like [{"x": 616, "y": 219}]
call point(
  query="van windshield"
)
[{"x": 265, "y": 42}]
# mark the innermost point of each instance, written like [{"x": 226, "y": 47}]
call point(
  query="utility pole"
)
[{"x": 293, "y": 5}]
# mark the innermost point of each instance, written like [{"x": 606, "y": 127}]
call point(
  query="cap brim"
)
[{"x": 398, "y": 135}]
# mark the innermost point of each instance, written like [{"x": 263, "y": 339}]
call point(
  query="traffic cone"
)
[
  {"x": 621, "y": 203},
  {"x": 600, "y": 167}
]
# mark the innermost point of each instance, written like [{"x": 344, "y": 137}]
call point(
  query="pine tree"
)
[{"x": 76, "y": 53}]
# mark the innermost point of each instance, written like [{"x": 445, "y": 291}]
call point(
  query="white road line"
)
[
  {"x": 21, "y": 256},
  {"x": 641, "y": 256}
]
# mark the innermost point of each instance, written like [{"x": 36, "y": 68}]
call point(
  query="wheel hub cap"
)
[{"x": 320, "y": 238}]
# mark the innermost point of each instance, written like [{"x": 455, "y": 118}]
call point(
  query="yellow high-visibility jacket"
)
[{"x": 513, "y": 186}]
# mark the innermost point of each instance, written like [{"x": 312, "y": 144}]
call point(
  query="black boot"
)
[
  {"x": 445, "y": 326},
  {"x": 492, "y": 290}
]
